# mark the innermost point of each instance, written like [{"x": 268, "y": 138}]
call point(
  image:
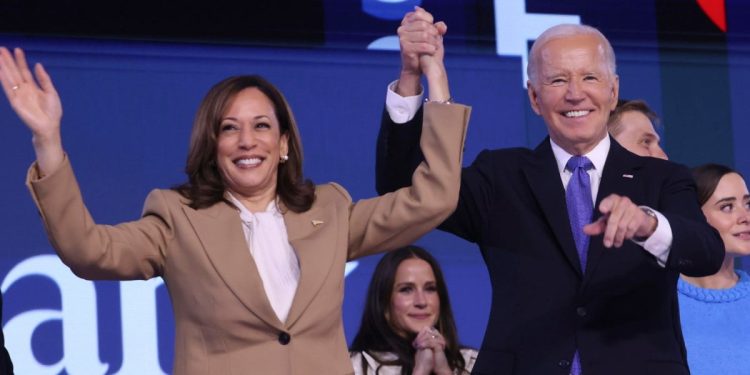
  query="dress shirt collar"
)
[
  {"x": 245, "y": 214},
  {"x": 598, "y": 155}
]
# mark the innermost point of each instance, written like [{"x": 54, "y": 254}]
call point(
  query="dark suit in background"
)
[{"x": 6, "y": 366}]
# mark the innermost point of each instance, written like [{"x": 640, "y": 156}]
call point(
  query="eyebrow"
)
[
  {"x": 731, "y": 199},
  {"x": 254, "y": 118}
]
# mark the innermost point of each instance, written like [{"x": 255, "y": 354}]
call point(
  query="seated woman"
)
[
  {"x": 715, "y": 310},
  {"x": 252, "y": 252},
  {"x": 407, "y": 324}
]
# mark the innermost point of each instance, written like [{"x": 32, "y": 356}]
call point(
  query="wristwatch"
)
[{"x": 648, "y": 212}]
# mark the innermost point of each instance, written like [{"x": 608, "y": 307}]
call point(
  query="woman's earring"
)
[{"x": 283, "y": 159}]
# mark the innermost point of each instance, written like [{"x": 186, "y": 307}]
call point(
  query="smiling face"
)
[
  {"x": 574, "y": 90},
  {"x": 638, "y": 136},
  {"x": 728, "y": 211},
  {"x": 415, "y": 303},
  {"x": 249, "y": 146}
]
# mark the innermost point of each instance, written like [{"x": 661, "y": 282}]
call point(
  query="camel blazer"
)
[{"x": 224, "y": 322}]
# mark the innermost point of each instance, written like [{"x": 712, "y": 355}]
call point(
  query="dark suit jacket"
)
[
  {"x": 6, "y": 366},
  {"x": 620, "y": 313}
]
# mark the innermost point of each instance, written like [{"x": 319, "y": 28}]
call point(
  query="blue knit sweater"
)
[{"x": 716, "y": 325}]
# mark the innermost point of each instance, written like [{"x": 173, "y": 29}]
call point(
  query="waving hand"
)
[{"x": 37, "y": 104}]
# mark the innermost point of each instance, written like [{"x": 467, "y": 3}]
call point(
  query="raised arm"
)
[
  {"x": 36, "y": 102},
  {"x": 422, "y": 52}
]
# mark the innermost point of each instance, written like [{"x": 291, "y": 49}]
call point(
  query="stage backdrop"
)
[{"x": 129, "y": 107}]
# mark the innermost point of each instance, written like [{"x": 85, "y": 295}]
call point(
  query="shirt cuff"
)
[
  {"x": 660, "y": 242},
  {"x": 402, "y": 109}
]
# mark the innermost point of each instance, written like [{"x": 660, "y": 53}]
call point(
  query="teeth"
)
[
  {"x": 576, "y": 113},
  {"x": 248, "y": 162}
]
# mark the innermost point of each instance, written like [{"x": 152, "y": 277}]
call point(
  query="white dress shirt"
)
[{"x": 268, "y": 243}]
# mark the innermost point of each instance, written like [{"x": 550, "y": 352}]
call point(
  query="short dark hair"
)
[
  {"x": 707, "y": 177},
  {"x": 615, "y": 127},
  {"x": 205, "y": 185},
  {"x": 377, "y": 335}
]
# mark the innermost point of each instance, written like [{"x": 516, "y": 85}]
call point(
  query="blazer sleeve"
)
[
  {"x": 397, "y": 152},
  {"x": 399, "y": 218},
  {"x": 697, "y": 248},
  {"x": 132, "y": 250}
]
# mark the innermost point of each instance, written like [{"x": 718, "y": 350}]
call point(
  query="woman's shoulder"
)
[{"x": 331, "y": 191}]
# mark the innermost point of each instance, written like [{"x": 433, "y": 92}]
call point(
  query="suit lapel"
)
[
  {"x": 220, "y": 232},
  {"x": 308, "y": 234},
  {"x": 620, "y": 176},
  {"x": 544, "y": 180}
]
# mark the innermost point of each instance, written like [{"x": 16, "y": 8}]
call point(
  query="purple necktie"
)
[{"x": 580, "y": 211}]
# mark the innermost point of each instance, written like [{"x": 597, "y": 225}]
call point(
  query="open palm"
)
[{"x": 38, "y": 105}]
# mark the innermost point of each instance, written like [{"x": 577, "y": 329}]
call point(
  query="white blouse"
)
[
  {"x": 470, "y": 357},
  {"x": 278, "y": 266}
]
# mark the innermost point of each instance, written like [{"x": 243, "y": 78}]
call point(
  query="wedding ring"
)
[{"x": 14, "y": 88}]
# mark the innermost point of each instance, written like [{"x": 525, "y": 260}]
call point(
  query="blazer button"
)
[
  {"x": 581, "y": 311},
  {"x": 284, "y": 338},
  {"x": 564, "y": 363}
]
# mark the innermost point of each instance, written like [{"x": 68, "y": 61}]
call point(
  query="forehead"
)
[
  {"x": 636, "y": 121},
  {"x": 251, "y": 101},
  {"x": 413, "y": 269},
  {"x": 730, "y": 185},
  {"x": 574, "y": 52}
]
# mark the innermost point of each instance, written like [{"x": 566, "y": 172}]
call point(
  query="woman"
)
[
  {"x": 714, "y": 309},
  {"x": 407, "y": 325},
  {"x": 252, "y": 253}
]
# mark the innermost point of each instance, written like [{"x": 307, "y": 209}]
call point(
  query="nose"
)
[
  {"x": 744, "y": 216},
  {"x": 574, "y": 92},
  {"x": 419, "y": 299},
  {"x": 246, "y": 138},
  {"x": 658, "y": 152}
]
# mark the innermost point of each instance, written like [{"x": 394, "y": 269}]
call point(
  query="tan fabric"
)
[{"x": 224, "y": 323}]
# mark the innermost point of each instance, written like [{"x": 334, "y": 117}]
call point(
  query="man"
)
[
  {"x": 574, "y": 289},
  {"x": 632, "y": 124}
]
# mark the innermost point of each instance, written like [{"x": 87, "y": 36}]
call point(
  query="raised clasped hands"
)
[
  {"x": 36, "y": 102},
  {"x": 430, "y": 357},
  {"x": 621, "y": 220},
  {"x": 422, "y": 52}
]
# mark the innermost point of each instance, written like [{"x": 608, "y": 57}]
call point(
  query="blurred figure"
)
[
  {"x": 633, "y": 124},
  {"x": 715, "y": 310},
  {"x": 6, "y": 365},
  {"x": 407, "y": 323}
]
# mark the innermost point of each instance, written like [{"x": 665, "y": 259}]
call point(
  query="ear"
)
[
  {"x": 615, "y": 92},
  {"x": 284, "y": 144},
  {"x": 533, "y": 97}
]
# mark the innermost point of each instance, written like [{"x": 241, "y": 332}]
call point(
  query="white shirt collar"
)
[
  {"x": 598, "y": 155},
  {"x": 246, "y": 215}
]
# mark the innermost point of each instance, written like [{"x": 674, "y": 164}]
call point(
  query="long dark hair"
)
[
  {"x": 707, "y": 177},
  {"x": 205, "y": 185},
  {"x": 377, "y": 335}
]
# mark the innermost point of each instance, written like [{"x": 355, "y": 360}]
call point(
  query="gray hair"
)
[{"x": 568, "y": 30}]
